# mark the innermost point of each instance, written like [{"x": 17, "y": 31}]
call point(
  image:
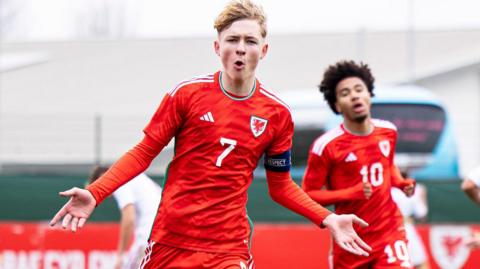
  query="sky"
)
[{"x": 48, "y": 20}]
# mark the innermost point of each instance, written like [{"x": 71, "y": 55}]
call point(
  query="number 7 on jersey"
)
[{"x": 232, "y": 143}]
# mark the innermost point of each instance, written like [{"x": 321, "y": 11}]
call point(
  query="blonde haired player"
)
[{"x": 222, "y": 124}]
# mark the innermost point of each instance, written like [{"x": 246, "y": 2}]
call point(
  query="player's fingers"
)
[
  {"x": 348, "y": 247},
  {"x": 408, "y": 191},
  {"x": 359, "y": 249},
  {"x": 81, "y": 222},
  {"x": 368, "y": 193},
  {"x": 359, "y": 221},
  {"x": 367, "y": 187},
  {"x": 362, "y": 244},
  {"x": 68, "y": 193},
  {"x": 58, "y": 216},
  {"x": 66, "y": 220},
  {"x": 412, "y": 189},
  {"x": 74, "y": 224}
]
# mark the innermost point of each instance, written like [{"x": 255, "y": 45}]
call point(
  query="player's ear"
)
[
  {"x": 264, "y": 50},
  {"x": 216, "y": 46}
]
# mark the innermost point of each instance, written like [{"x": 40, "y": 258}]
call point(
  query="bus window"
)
[
  {"x": 419, "y": 126},
  {"x": 302, "y": 140},
  {"x": 425, "y": 142}
]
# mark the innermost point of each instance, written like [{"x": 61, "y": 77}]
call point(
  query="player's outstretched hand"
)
[
  {"x": 341, "y": 228},
  {"x": 77, "y": 210}
]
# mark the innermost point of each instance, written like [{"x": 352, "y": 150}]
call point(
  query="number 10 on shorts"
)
[{"x": 399, "y": 252}]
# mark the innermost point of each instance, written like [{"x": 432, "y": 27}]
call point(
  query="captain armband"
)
[{"x": 278, "y": 163}]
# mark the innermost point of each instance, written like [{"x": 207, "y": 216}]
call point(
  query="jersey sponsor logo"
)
[
  {"x": 351, "y": 157},
  {"x": 258, "y": 125},
  {"x": 207, "y": 117},
  {"x": 448, "y": 245},
  {"x": 384, "y": 146}
]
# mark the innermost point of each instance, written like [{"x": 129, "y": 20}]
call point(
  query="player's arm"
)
[
  {"x": 315, "y": 178},
  {"x": 126, "y": 168},
  {"x": 162, "y": 127},
  {"x": 82, "y": 202},
  {"x": 127, "y": 227},
  {"x": 407, "y": 185},
  {"x": 326, "y": 197},
  {"x": 471, "y": 189},
  {"x": 284, "y": 191}
]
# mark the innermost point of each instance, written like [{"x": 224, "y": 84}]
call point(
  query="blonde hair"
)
[{"x": 239, "y": 10}]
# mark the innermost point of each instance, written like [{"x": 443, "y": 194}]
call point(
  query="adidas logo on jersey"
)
[
  {"x": 351, "y": 157},
  {"x": 207, "y": 117}
]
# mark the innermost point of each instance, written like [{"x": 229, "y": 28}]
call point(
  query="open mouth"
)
[
  {"x": 358, "y": 107},
  {"x": 239, "y": 64}
]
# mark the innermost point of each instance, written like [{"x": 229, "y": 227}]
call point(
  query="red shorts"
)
[
  {"x": 387, "y": 253},
  {"x": 163, "y": 256}
]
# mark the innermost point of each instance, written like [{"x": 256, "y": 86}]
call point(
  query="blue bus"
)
[{"x": 425, "y": 147}]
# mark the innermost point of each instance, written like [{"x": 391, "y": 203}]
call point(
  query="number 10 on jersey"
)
[{"x": 375, "y": 172}]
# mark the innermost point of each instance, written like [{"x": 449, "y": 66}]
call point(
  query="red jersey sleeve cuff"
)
[{"x": 95, "y": 194}]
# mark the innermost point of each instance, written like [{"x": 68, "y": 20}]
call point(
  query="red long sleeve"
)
[
  {"x": 127, "y": 167},
  {"x": 285, "y": 192},
  {"x": 398, "y": 180},
  {"x": 327, "y": 197}
]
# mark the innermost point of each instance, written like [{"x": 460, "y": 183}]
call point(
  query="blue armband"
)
[{"x": 278, "y": 163}]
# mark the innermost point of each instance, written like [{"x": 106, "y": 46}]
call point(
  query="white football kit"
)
[{"x": 145, "y": 195}]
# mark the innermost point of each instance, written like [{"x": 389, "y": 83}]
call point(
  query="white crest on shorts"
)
[
  {"x": 448, "y": 245},
  {"x": 258, "y": 125},
  {"x": 384, "y": 146}
]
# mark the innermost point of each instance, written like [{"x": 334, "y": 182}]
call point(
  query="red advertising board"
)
[{"x": 37, "y": 246}]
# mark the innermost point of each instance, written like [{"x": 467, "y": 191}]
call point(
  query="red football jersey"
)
[
  {"x": 219, "y": 139},
  {"x": 339, "y": 159}
]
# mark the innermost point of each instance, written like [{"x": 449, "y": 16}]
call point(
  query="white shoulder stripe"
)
[
  {"x": 199, "y": 79},
  {"x": 272, "y": 96},
  {"x": 321, "y": 142},
  {"x": 384, "y": 124}
]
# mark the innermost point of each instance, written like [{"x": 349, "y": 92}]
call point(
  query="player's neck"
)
[
  {"x": 237, "y": 87},
  {"x": 358, "y": 128}
]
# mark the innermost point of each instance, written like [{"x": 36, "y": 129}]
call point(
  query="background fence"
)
[{"x": 68, "y": 143}]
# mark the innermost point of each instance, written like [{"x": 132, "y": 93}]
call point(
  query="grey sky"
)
[{"x": 54, "y": 19}]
